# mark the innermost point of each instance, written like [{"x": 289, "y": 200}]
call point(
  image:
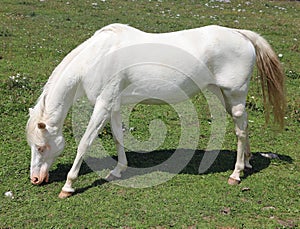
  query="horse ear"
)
[
  {"x": 41, "y": 125},
  {"x": 31, "y": 110}
]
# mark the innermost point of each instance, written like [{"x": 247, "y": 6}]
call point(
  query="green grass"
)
[{"x": 36, "y": 35}]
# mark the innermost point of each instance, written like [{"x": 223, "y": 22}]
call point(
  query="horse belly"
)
[{"x": 157, "y": 85}]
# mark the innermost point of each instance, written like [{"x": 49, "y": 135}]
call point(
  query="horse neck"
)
[{"x": 58, "y": 98}]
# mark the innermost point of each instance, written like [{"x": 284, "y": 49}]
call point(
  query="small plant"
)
[
  {"x": 18, "y": 81},
  {"x": 293, "y": 75},
  {"x": 4, "y": 32},
  {"x": 17, "y": 88},
  {"x": 254, "y": 103}
]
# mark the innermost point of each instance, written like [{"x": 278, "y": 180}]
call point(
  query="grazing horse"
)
[{"x": 225, "y": 57}]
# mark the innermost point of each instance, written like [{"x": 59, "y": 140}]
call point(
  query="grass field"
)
[{"x": 36, "y": 35}]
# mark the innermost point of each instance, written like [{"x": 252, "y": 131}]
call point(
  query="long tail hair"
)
[{"x": 272, "y": 77}]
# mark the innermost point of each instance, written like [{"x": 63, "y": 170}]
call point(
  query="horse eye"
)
[{"x": 41, "y": 149}]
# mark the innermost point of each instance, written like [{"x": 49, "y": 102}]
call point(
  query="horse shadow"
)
[{"x": 182, "y": 161}]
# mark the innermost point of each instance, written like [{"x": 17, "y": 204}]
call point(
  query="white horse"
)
[{"x": 224, "y": 60}]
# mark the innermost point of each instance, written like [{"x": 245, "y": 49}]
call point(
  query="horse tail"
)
[{"x": 272, "y": 77}]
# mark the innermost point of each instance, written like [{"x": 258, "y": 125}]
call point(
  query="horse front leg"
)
[
  {"x": 98, "y": 120},
  {"x": 116, "y": 124}
]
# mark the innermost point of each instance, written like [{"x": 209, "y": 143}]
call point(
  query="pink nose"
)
[
  {"x": 39, "y": 180},
  {"x": 34, "y": 180}
]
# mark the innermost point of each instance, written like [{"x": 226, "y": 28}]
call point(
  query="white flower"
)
[
  {"x": 9, "y": 194},
  {"x": 280, "y": 55}
]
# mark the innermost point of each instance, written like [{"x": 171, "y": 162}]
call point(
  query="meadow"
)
[{"x": 35, "y": 36}]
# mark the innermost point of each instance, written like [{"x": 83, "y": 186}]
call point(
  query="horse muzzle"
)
[{"x": 39, "y": 179}]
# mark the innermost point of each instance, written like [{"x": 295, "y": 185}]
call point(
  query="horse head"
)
[{"x": 46, "y": 143}]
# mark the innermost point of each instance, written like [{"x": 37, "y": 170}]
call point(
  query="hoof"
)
[
  {"x": 64, "y": 194},
  {"x": 111, "y": 177},
  {"x": 233, "y": 181}
]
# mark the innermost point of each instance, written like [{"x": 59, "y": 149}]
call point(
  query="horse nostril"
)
[{"x": 34, "y": 180}]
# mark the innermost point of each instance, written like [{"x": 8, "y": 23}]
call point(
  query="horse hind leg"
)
[
  {"x": 222, "y": 95},
  {"x": 248, "y": 154},
  {"x": 116, "y": 124},
  {"x": 235, "y": 105}
]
